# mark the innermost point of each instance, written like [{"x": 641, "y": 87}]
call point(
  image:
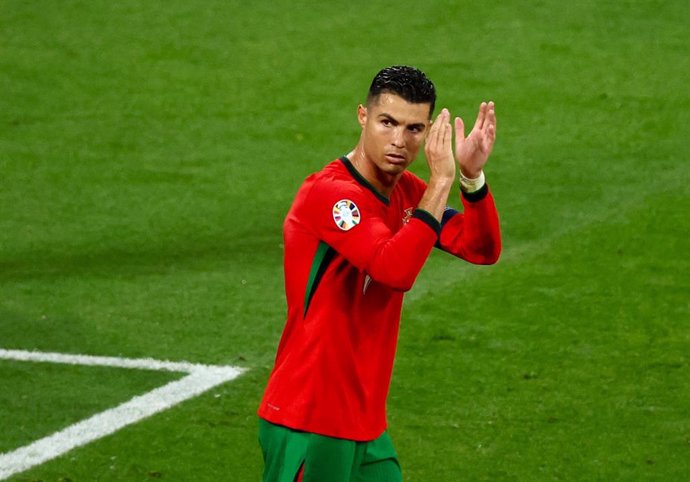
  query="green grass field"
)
[{"x": 150, "y": 150}]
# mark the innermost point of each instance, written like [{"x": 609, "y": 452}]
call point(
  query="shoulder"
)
[
  {"x": 334, "y": 183},
  {"x": 329, "y": 193}
]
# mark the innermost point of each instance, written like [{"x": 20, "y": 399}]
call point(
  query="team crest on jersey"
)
[
  {"x": 346, "y": 214},
  {"x": 408, "y": 215}
]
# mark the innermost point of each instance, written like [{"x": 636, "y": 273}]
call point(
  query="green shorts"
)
[{"x": 291, "y": 455}]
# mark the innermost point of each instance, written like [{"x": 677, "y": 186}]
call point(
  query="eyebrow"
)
[{"x": 418, "y": 125}]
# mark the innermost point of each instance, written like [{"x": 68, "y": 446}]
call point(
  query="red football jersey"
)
[{"x": 350, "y": 254}]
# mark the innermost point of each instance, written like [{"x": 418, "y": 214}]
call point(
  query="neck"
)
[{"x": 382, "y": 181}]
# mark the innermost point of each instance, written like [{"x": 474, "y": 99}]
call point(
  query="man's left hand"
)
[{"x": 473, "y": 151}]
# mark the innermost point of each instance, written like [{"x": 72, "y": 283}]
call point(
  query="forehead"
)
[{"x": 401, "y": 110}]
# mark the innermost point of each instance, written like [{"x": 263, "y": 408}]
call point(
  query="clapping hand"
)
[{"x": 473, "y": 151}]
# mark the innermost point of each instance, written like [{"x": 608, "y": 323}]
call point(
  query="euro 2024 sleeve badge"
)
[{"x": 346, "y": 214}]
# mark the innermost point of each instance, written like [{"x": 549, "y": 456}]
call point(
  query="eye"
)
[
  {"x": 415, "y": 129},
  {"x": 386, "y": 122}
]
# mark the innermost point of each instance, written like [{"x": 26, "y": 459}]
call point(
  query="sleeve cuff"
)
[
  {"x": 476, "y": 196},
  {"x": 428, "y": 219}
]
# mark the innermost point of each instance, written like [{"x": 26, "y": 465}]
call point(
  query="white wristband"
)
[{"x": 468, "y": 185}]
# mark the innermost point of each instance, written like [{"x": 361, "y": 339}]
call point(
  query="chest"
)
[{"x": 398, "y": 211}]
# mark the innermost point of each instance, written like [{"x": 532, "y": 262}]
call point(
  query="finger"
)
[
  {"x": 489, "y": 139},
  {"x": 490, "y": 122},
  {"x": 436, "y": 125},
  {"x": 490, "y": 136},
  {"x": 431, "y": 136},
  {"x": 481, "y": 115},
  {"x": 442, "y": 123},
  {"x": 445, "y": 138},
  {"x": 491, "y": 112},
  {"x": 459, "y": 133},
  {"x": 446, "y": 130}
]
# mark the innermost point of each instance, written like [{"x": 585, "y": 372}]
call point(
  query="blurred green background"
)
[{"x": 150, "y": 150}]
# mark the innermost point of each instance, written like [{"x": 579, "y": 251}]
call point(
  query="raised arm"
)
[{"x": 474, "y": 235}]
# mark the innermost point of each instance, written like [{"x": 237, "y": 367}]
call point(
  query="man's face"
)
[{"x": 393, "y": 130}]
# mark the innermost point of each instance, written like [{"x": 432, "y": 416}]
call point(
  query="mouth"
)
[{"x": 395, "y": 158}]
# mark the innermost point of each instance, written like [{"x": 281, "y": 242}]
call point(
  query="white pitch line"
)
[
  {"x": 200, "y": 379},
  {"x": 103, "y": 361}
]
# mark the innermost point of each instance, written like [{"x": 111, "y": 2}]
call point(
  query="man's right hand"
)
[
  {"x": 439, "y": 156},
  {"x": 438, "y": 149}
]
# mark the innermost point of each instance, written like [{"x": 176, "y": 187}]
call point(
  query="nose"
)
[{"x": 398, "y": 139}]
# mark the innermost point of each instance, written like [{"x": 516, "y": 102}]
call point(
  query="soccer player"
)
[{"x": 356, "y": 237}]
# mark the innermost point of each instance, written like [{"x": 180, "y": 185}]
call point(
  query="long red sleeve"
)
[{"x": 475, "y": 234}]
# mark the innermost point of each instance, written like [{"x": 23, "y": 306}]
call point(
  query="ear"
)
[{"x": 362, "y": 115}]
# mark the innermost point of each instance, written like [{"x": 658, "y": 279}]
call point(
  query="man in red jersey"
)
[{"x": 356, "y": 237}]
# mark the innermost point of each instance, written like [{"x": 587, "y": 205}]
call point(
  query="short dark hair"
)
[{"x": 407, "y": 82}]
